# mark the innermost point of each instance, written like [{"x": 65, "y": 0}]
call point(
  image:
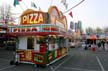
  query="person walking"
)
[
  {"x": 102, "y": 44},
  {"x": 106, "y": 46},
  {"x": 83, "y": 45},
  {"x": 99, "y": 45}
]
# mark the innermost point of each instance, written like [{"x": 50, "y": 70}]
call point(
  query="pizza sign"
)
[{"x": 35, "y": 17}]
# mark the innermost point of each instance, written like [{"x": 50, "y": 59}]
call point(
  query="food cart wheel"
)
[
  {"x": 12, "y": 62},
  {"x": 17, "y": 63}
]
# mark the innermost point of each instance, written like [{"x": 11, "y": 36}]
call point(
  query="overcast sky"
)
[{"x": 92, "y": 13}]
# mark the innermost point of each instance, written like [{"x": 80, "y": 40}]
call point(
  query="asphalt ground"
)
[{"x": 76, "y": 60}]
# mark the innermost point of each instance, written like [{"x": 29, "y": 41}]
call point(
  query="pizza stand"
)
[{"x": 42, "y": 37}]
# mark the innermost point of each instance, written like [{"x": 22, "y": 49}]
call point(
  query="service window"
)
[{"x": 30, "y": 43}]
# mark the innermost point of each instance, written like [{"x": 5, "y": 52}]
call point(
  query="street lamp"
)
[{"x": 6, "y": 21}]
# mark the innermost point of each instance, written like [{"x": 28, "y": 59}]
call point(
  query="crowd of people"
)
[
  {"x": 98, "y": 44},
  {"x": 103, "y": 45}
]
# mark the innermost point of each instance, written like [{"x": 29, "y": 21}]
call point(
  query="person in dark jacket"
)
[
  {"x": 103, "y": 43},
  {"x": 99, "y": 44}
]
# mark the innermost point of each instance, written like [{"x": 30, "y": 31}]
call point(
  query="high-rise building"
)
[
  {"x": 78, "y": 26},
  {"x": 72, "y": 25}
]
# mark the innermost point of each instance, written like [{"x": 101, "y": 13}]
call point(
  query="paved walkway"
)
[{"x": 77, "y": 60}]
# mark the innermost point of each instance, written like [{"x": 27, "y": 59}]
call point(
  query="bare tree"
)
[
  {"x": 98, "y": 30},
  {"x": 6, "y": 14},
  {"x": 105, "y": 29}
]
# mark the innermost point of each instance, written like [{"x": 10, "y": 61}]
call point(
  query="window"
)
[{"x": 30, "y": 43}]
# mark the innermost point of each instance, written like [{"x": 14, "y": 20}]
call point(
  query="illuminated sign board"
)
[
  {"x": 35, "y": 17},
  {"x": 25, "y": 29}
]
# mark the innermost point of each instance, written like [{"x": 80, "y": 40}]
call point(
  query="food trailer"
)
[{"x": 41, "y": 37}]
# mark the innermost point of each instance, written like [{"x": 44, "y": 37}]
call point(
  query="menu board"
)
[
  {"x": 39, "y": 58},
  {"x": 25, "y": 55}
]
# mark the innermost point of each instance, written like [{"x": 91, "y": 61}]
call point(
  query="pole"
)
[
  {"x": 21, "y": 7},
  {"x": 6, "y": 22},
  {"x": 74, "y": 6},
  {"x": 25, "y": 5}
]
